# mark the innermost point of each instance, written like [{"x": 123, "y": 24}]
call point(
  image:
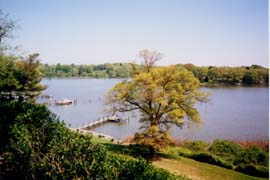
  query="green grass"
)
[
  {"x": 136, "y": 151},
  {"x": 170, "y": 160},
  {"x": 252, "y": 160},
  {"x": 197, "y": 170},
  {"x": 100, "y": 140}
]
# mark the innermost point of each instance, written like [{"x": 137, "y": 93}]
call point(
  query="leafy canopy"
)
[
  {"x": 164, "y": 96},
  {"x": 20, "y": 77}
]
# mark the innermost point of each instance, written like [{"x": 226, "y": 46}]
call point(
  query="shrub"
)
[
  {"x": 38, "y": 146},
  {"x": 252, "y": 155},
  {"x": 195, "y": 146},
  {"x": 140, "y": 169},
  {"x": 253, "y": 170},
  {"x": 225, "y": 149},
  {"x": 30, "y": 129},
  {"x": 210, "y": 159}
]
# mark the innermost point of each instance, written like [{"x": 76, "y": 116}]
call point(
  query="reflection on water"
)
[{"x": 232, "y": 112}]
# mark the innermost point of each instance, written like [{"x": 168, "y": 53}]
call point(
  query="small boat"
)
[
  {"x": 64, "y": 102},
  {"x": 114, "y": 118}
]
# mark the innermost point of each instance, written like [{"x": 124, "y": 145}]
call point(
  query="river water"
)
[{"x": 232, "y": 113}]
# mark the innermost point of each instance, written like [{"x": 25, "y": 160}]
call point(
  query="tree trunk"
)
[{"x": 153, "y": 151}]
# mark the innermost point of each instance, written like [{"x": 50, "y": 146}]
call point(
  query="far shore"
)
[{"x": 212, "y": 84}]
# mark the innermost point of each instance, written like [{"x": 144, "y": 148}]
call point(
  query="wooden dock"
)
[
  {"x": 97, "y": 134},
  {"x": 87, "y": 128},
  {"x": 101, "y": 121}
]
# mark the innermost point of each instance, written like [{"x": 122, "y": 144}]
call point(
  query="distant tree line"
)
[
  {"x": 115, "y": 70},
  {"x": 253, "y": 74}
]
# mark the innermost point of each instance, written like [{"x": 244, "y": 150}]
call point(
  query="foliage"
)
[
  {"x": 252, "y": 156},
  {"x": 139, "y": 169},
  {"x": 8, "y": 81},
  {"x": 225, "y": 149},
  {"x": 40, "y": 147},
  {"x": 253, "y": 74},
  {"x": 253, "y": 170},
  {"x": 164, "y": 96},
  {"x": 115, "y": 70},
  {"x": 208, "y": 158},
  {"x": 250, "y": 160},
  {"x": 195, "y": 146},
  {"x": 29, "y": 128},
  {"x": 72, "y": 155},
  {"x": 197, "y": 170},
  {"x": 35, "y": 145},
  {"x": 20, "y": 78},
  {"x": 133, "y": 150}
]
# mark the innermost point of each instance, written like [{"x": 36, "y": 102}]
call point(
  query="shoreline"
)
[
  {"x": 97, "y": 134},
  {"x": 204, "y": 84}
]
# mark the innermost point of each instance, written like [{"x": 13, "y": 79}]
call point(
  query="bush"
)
[
  {"x": 39, "y": 146},
  {"x": 225, "y": 149},
  {"x": 210, "y": 159},
  {"x": 30, "y": 129},
  {"x": 252, "y": 155},
  {"x": 140, "y": 169},
  {"x": 195, "y": 146},
  {"x": 254, "y": 170}
]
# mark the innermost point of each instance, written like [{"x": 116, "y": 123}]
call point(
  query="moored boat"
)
[
  {"x": 114, "y": 118},
  {"x": 64, "y": 102}
]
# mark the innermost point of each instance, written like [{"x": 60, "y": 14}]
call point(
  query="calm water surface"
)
[{"x": 232, "y": 112}]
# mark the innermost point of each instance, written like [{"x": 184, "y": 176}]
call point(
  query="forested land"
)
[{"x": 253, "y": 74}]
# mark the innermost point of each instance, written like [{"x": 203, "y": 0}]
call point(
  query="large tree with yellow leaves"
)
[{"x": 164, "y": 96}]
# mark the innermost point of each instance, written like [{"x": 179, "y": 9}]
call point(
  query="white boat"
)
[
  {"x": 114, "y": 118},
  {"x": 64, "y": 101},
  {"x": 117, "y": 118}
]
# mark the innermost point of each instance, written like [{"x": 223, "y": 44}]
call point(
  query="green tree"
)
[
  {"x": 8, "y": 82},
  {"x": 164, "y": 96},
  {"x": 251, "y": 77},
  {"x": 200, "y": 73},
  {"x": 29, "y": 76},
  {"x": 20, "y": 79},
  {"x": 90, "y": 70}
]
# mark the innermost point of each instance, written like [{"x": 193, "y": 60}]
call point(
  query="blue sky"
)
[{"x": 202, "y": 32}]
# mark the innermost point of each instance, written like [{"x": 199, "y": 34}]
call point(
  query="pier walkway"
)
[
  {"x": 101, "y": 121},
  {"x": 87, "y": 128}
]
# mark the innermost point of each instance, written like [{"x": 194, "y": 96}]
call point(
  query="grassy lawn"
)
[
  {"x": 197, "y": 170},
  {"x": 100, "y": 140},
  {"x": 122, "y": 149},
  {"x": 177, "y": 165}
]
